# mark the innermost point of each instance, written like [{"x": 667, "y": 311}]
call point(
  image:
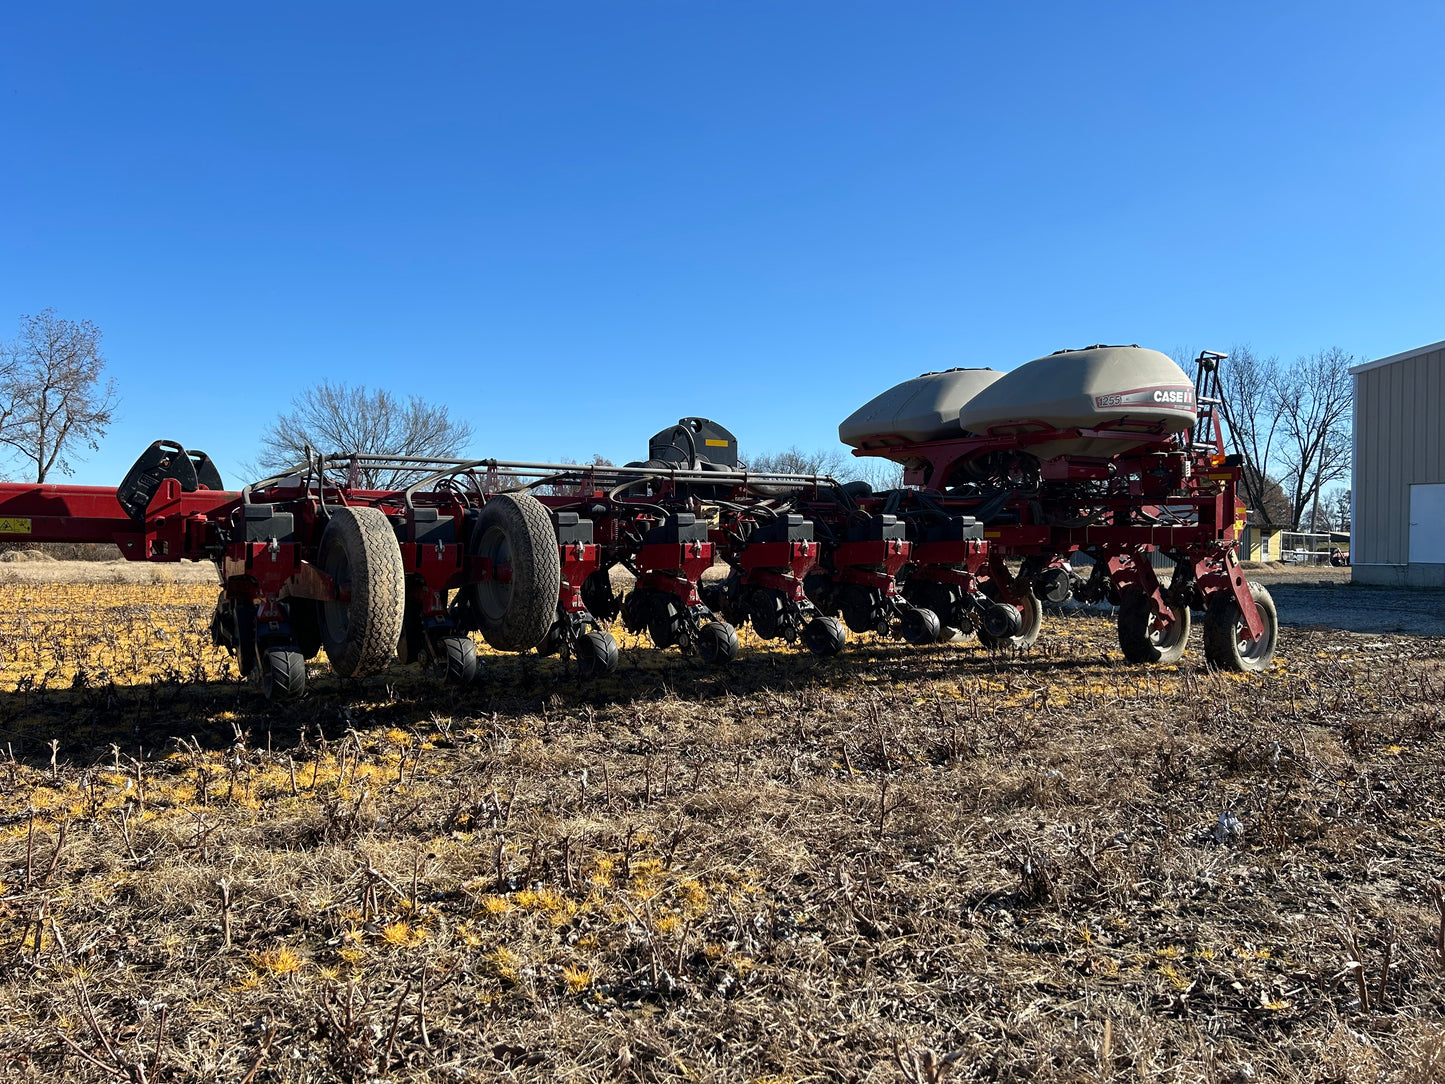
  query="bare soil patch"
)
[
  {"x": 42, "y": 568},
  {"x": 1057, "y": 866}
]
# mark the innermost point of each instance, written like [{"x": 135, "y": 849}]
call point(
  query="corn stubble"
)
[{"x": 903, "y": 864}]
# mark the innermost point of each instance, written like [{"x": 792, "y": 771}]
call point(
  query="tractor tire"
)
[
  {"x": 919, "y": 626},
  {"x": 283, "y": 675},
  {"x": 1224, "y": 645},
  {"x": 1140, "y": 641},
  {"x": 515, "y": 530},
  {"x": 461, "y": 660},
  {"x": 825, "y": 636},
  {"x": 1032, "y": 612},
  {"x": 596, "y": 654},
  {"x": 359, "y": 551},
  {"x": 717, "y": 643}
]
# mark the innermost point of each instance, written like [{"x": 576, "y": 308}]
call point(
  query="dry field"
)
[{"x": 900, "y": 865}]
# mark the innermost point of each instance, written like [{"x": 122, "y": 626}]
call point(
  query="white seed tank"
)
[
  {"x": 1103, "y": 387},
  {"x": 924, "y": 408}
]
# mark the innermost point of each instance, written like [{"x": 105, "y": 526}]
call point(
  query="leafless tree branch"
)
[{"x": 53, "y": 395}]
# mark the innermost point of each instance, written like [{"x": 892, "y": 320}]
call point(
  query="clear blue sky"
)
[{"x": 578, "y": 222}]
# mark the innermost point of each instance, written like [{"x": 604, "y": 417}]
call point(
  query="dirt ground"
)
[
  {"x": 895, "y": 865},
  {"x": 102, "y": 572}
]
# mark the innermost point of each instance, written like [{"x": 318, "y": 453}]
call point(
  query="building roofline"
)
[{"x": 1402, "y": 356}]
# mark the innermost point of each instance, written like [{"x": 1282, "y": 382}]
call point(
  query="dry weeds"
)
[{"x": 898, "y": 865}]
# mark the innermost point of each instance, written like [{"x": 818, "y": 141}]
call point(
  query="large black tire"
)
[
  {"x": 359, "y": 551},
  {"x": 1225, "y": 647},
  {"x": 283, "y": 674},
  {"x": 1032, "y": 612},
  {"x": 1140, "y": 641},
  {"x": 516, "y": 530}
]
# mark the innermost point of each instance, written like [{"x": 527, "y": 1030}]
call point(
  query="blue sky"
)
[{"x": 577, "y": 222}]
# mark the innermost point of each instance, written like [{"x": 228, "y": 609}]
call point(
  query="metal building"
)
[{"x": 1398, "y": 516}]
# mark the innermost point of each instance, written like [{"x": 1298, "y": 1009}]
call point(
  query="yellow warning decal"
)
[
  {"x": 1219, "y": 477},
  {"x": 711, "y": 443},
  {"x": 993, "y": 534},
  {"x": 14, "y": 526}
]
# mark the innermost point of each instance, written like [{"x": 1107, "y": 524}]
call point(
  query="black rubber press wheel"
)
[
  {"x": 717, "y": 642},
  {"x": 919, "y": 626},
  {"x": 596, "y": 654},
  {"x": 359, "y": 551},
  {"x": 1032, "y": 613},
  {"x": 825, "y": 636},
  {"x": 516, "y": 608},
  {"x": 461, "y": 660},
  {"x": 283, "y": 674}
]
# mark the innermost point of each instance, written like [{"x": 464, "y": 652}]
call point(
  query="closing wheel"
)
[
  {"x": 825, "y": 636},
  {"x": 283, "y": 674},
  {"x": 717, "y": 642},
  {"x": 1226, "y": 643},
  {"x": 551, "y": 643},
  {"x": 305, "y": 615},
  {"x": 765, "y": 611},
  {"x": 1140, "y": 641},
  {"x": 359, "y": 551},
  {"x": 596, "y": 654},
  {"x": 461, "y": 659},
  {"x": 664, "y": 621},
  {"x": 919, "y": 626},
  {"x": 1031, "y": 620},
  {"x": 517, "y": 603},
  {"x": 863, "y": 608}
]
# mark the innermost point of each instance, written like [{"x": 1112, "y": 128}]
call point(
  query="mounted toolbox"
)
[
  {"x": 678, "y": 527},
  {"x": 572, "y": 528},
  {"x": 786, "y": 528},
  {"x": 881, "y": 528}
]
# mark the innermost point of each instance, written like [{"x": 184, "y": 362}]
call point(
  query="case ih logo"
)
[{"x": 1174, "y": 397}]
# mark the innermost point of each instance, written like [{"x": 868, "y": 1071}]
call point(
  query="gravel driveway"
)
[{"x": 1322, "y": 604}]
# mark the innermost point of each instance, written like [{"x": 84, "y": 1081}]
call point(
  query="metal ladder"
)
[{"x": 1207, "y": 401}]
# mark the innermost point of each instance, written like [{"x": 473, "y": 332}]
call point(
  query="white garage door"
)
[{"x": 1427, "y": 524}]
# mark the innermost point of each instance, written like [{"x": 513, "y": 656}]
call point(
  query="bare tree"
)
[
  {"x": 796, "y": 461},
  {"x": 1315, "y": 398},
  {"x": 52, "y": 398},
  {"x": 1339, "y": 504},
  {"x": 1252, "y": 408},
  {"x": 567, "y": 489},
  {"x": 341, "y": 418},
  {"x": 880, "y": 473}
]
